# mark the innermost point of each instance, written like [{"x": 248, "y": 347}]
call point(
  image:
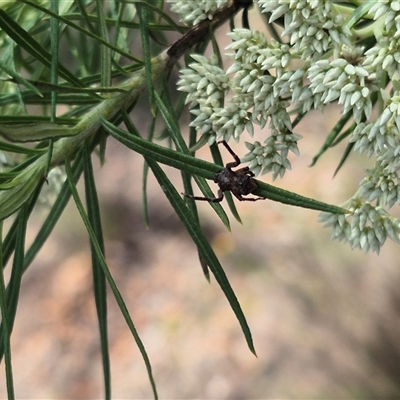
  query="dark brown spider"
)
[{"x": 239, "y": 182}]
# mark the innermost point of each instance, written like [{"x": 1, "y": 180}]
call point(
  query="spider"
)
[{"x": 239, "y": 182}]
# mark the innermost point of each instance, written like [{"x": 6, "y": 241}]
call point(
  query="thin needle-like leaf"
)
[
  {"x": 54, "y": 214},
  {"x": 54, "y": 40},
  {"x": 99, "y": 280},
  {"x": 18, "y": 78},
  {"x": 29, "y": 44},
  {"x": 82, "y": 30},
  {"x": 208, "y": 170},
  {"x": 204, "y": 247},
  {"x": 17, "y": 266},
  {"x": 332, "y": 136},
  {"x": 111, "y": 282},
  {"x": 132, "y": 128},
  {"x": 345, "y": 155},
  {"x": 6, "y": 328},
  {"x": 143, "y": 13},
  {"x": 105, "y": 50},
  {"x": 17, "y": 241},
  {"x": 206, "y": 253}
]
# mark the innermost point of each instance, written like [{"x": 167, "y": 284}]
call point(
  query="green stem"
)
[{"x": 91, "y": 122}]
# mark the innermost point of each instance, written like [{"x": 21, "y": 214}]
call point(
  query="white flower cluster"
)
[
  {"x": 344, "y": 81},
  {"x": 194, "y": 11},
  {"x": 253, "y": 85},
  {"x": 381, "y": 186},
  {"x": 256, "y": 98},
  {"x": 318, "y": 62},
  {"x": 388, "y": 9},
  {"x": 313, "y": 26},
  {"x": 207, "y": 84},
  {"x": 272, "y": 156},
  {"x": 382, "y": 136},
  {"x": 368, "y": 229}
]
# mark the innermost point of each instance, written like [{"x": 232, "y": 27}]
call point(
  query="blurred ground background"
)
[{"x": 325, "y": 319}]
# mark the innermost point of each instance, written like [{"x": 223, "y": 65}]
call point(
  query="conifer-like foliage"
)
[{"x": 71, "y": 76}]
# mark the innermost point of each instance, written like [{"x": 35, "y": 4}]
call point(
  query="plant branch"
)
[{"x": 91, "y": 122}]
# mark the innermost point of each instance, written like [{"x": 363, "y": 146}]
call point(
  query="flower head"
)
[
  {"x": 193, "y": 12},
  {"x": 365, "y": 227}
]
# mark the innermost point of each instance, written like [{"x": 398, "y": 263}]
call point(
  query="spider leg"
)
[
  {"x": 209, "y": 199},
  {"x": 237, "y": 159}
]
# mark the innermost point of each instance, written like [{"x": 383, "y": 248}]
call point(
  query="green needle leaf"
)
[
  {"x": 332, "y": 136},
  {"x": 145, "y": 36},
  {"x": 21, "y": 189},
  {"x": 6, "y": 325},
  {"x": 35, "y": 131},
  {"x": 99, "y": 280},
  {"x": 208, "y": 170},
  {"x": 106, "y": 271},
  {"x": 203, "y": 246},
  {"x": 54, "y": 214},
  {"x": 82, "y": 30},
  {"x": 29, "y": 44}
]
